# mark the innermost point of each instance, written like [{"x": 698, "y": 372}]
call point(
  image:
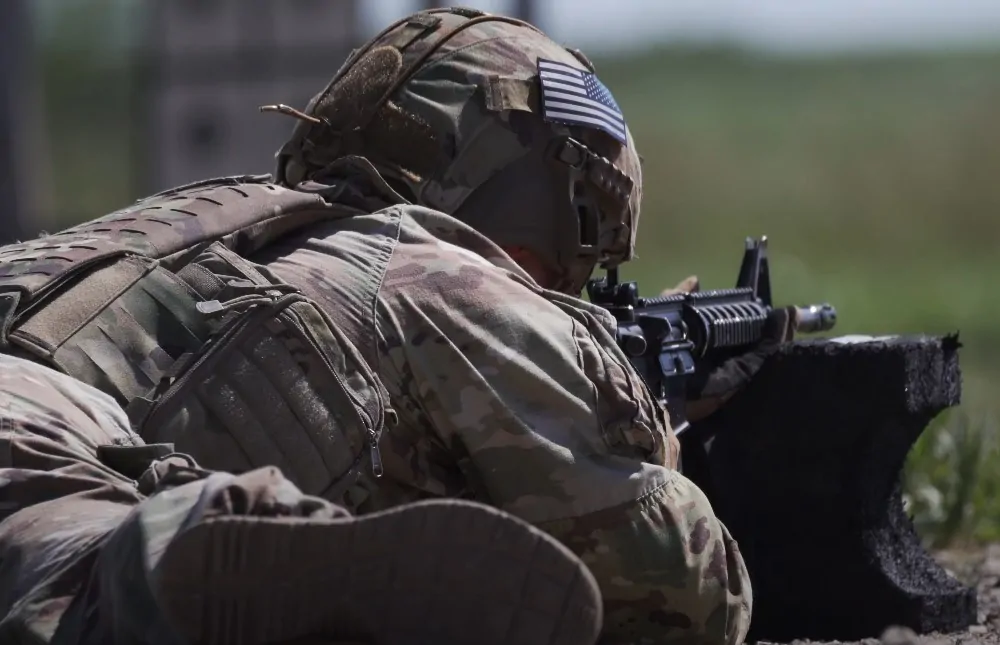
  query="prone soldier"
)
[{"x": 392, "y": 319}]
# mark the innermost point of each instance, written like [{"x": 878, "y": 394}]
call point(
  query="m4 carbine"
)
[{"x": 671, "y": 338}]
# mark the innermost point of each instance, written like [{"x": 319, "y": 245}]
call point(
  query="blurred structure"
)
[
  {"x": 10, "y": 68},
  {"x": 22, "y": 144},
  {"x": 526, "y": 10},
  {"x": 211, "y": 63}
]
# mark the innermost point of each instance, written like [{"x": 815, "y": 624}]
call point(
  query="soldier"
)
[
  {"x": 394, "y": 319},
  {"x": 508, "y": 388}
]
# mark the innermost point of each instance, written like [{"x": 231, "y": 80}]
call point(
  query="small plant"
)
[{"x": 952, "y": 480}]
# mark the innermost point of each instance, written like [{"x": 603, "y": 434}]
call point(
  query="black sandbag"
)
[{"x": 804, "y": 468}]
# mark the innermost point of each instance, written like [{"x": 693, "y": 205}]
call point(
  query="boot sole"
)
[{"x": 441, "y": 572}]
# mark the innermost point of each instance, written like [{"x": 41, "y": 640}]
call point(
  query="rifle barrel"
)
[{"x": 816, "y": 318}]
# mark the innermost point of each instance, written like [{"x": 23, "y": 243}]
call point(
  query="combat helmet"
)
[{"x": 485, "y": 118}]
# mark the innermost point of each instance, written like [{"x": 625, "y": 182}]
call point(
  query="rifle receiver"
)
[{"x": 668, "y": 338}]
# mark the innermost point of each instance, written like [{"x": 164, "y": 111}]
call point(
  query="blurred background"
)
[{"x": 862, "y": 137}]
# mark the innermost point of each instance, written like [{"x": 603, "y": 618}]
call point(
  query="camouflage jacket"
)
[
  {"x": 502, "y": 392},
  {"x": 519, "y": 397}
]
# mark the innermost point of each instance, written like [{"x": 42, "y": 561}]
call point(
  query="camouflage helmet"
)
[{"x": 449, "y": 106}]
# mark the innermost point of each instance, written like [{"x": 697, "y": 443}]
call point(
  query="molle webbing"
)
[
  {"x": 358, "y": 116},
  {"x": 417, "y": 26},
  {"x": 431, "y": 39},
  {"x": 246, "y": 211},
  {"x": 123, "y": 344},
  {"x": 156, "y": 306},
  {"x": 278, "y": 384}
]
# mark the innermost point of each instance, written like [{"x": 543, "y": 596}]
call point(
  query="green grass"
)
[
  {"x": 875, "y": 178},
  {"x": 951, "y": 479}
]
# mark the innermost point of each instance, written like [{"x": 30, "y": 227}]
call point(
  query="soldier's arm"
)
[{"x": 546, "y": 421}]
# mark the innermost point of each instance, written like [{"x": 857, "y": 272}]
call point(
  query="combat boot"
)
[{"x": 249, "y": 560}]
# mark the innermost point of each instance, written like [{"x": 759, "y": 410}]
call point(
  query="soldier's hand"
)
[
  {"x": 687, "y": 285},
  {"x": 718, "y": 383}
]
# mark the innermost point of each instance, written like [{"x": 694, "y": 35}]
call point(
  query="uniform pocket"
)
[
  {"x": 277, "y": 383},
  {"x": 275, "y": 388}
]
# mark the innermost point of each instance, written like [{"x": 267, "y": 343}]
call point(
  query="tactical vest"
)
[{"x": 157, "y": 306}]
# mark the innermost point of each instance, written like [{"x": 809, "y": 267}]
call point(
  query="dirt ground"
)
[{"x": 979, "y": 567}]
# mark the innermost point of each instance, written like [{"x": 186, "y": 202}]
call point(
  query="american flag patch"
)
[{"x": 575, "y": 96}]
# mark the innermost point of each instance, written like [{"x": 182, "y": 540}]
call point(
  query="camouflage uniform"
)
[
  {"x": 506, "y": 392},
  {"x": 91, "y": 556},
  {"x": 519, "y": 397},
  {"x": 489, "y": 388}
]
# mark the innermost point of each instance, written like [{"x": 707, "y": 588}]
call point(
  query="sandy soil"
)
[{"x": 979, "y": 567}]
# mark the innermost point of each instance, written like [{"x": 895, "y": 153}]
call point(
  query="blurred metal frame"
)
[
  {"x": 206, "y": 66},
  {"x": 526, "y": 10},
  {"x": 15, "y": 46}
]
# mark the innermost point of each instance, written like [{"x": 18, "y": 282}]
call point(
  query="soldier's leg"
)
[
  {"x": 57, "y": 499},
  {"x": 682, "y": 579},
  {"x": 225, "y": 559},
  {"x": 213, "y": 557}
]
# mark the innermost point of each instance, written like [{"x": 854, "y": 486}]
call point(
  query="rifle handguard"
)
[{"x": 670, "y": 338}]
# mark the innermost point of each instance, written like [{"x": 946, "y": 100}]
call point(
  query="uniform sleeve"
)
[{"x": 544, "y": 415}]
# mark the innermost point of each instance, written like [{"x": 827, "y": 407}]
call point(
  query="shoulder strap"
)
[{"x": 245, "y": 212}]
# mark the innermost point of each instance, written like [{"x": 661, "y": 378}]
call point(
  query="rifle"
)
[{"x": 670, "y": 339}]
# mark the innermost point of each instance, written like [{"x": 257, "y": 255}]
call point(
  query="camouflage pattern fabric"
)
[
  {"x": 184, "y": 555},
  {"x": 506, "y": 392},
  {"x": 57, "y": 499},
  {"x": 122, "y": 602},
  {"x": 529, "y": 407},
  {"x": 461, "y": 133},
  {"x": 67, "y": 517},
  {"x": 519, "y": 397},
  {"x": 155, "y": 227}
]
